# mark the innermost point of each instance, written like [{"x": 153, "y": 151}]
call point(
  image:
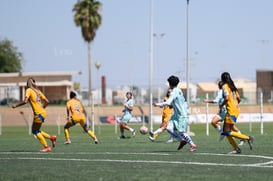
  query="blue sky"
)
[{"x": 224, "y": 35}]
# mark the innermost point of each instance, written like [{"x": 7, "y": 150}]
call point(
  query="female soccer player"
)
[
  {"x": 38, "y": 103},
  {"x": 220, "y": 116},
  {"x": 76, "y": 114},
  {"x": 178, "y": 122},
  {"x": 231, "y": 101},
  {"x": 127, "y": 115},
  {"x": 166, "y": 116}
]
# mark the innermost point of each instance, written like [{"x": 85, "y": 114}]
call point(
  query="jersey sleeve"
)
[
  {"x": 28, "y": 93},
  {"x": 218, "y": 97}
]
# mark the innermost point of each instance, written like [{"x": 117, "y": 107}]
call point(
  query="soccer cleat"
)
[
  {"x": 122, "y": 137},
  {"x": 53, "y": 140},
  {"x": 96, "y": 141},
  {"x": 151, "y": 134},
  {"x": 46, "y": 149},
  {"x": 241, "y": 142},
  {"x": 250, "y": 142},
  {"x": 237, "y": 151},
  {"x": 67, "y": 142},
  {"x": 193, "y": 148},
  {"x": 151, "y": 138},
  {"x": 182, "y": 144},
  {"x": 170, "y": 141}
]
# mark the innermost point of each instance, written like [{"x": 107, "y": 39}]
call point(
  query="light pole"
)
[
  {"x": 151, "y": 65},
  {"x": 98, "y": 65},
  {"x": 158, "y": 37},
  {"x": 188, "y": 67},
  {"x": 187, "y": 55}
]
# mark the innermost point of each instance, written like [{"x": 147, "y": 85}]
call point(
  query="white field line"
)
[
  {"x": 263, "y": 164},
  {"x": 83, "y": 153}
]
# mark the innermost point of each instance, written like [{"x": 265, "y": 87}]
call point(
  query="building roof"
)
[
  {"x": 245, "y": 84},
  {"x": 48, "y": 84},
  {"x": 183, "y": 85},
  {"x": 42, "y": 78},
  {"x": 264, "y": 70},
  {"x": 208, "y": 86},
  {"x": 28, "y": 74}
]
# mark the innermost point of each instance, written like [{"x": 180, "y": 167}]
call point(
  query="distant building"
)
[
  {"x": 192, "y": 91},
  {"x": 204, "y": 88},
  {"x": 97, "y": 97},
  {"x": 55, "y": 85},
  {"x": 264, "y": 79},
  {"x": 247, "y": 90}
]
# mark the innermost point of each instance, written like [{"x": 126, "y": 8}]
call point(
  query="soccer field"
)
[{"x": 134, "y": 158}]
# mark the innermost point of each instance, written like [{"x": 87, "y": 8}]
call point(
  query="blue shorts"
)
[
  {"x": 126, "y": 118},
  {"x": 179, "y": 123}
]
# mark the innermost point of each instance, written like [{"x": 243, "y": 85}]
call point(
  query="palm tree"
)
[{"x": 88, "y": 18}]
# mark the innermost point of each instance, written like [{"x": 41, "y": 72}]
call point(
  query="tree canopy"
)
[
  {"x": 10, "y": 57},
  {"x": 87, "y": 17}
]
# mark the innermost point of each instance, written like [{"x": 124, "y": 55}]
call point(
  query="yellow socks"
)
[
  {"x": 41, "y": 138},
  {"x": 91, "y": 134},
  {"x": 45, "y": 135},
  {"x": 66, "y": 134},
  {"x": 239, "y": 135},
  {"x": 232, "y": 142}
]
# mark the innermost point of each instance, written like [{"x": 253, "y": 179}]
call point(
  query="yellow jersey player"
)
[
  {"x": 166, "y": 116},
  {"x": 220, "y": 116},
  {"x": 38, "y": 103},
  {"x": 76, "y": 114},
  {"x": 231, "y": 101}
]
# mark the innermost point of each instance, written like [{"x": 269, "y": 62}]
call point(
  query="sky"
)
[{"x": 224, "y": 35}]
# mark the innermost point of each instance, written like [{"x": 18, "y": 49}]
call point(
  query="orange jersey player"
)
[
  {"x": 38, "y": 103},
  {"x": 231, "y": 101},
  {"x": 76, "y": 115}
]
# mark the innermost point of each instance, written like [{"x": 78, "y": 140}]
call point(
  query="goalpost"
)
[{"x": 261, "y": 113}]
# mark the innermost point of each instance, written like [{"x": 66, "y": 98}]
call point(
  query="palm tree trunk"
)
[
  {"x": 90, "y": 99},
  {"x": 89, "y": 75}
]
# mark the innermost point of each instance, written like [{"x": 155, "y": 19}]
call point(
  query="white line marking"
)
[
  {"x": 238, "y": 155},
  {"x": 145, "y": 161},
  {"x": 82, "y": 153},
  {"x": 263, "y": 164}
]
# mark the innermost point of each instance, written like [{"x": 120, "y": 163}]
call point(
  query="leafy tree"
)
[
  {"x": 10, "y": 58},
  {"x": 87, "y": 17}
]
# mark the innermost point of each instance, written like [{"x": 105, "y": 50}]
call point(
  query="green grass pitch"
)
[{"x": 135, "y": 158}]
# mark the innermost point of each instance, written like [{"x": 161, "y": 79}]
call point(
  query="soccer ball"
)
[{"x": 143, "y": 130}]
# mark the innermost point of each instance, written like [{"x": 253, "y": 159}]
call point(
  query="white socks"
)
[{"x": 158, "y": 131}]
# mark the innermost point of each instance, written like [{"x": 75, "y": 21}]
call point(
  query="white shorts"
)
[{"x": 221, "y": 117}]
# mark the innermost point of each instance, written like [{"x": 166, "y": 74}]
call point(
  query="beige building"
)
[
  {"x": 246, "y": 88},
  {"x": 55, "y": 85},
  {"x": 204, "y": 88}
]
